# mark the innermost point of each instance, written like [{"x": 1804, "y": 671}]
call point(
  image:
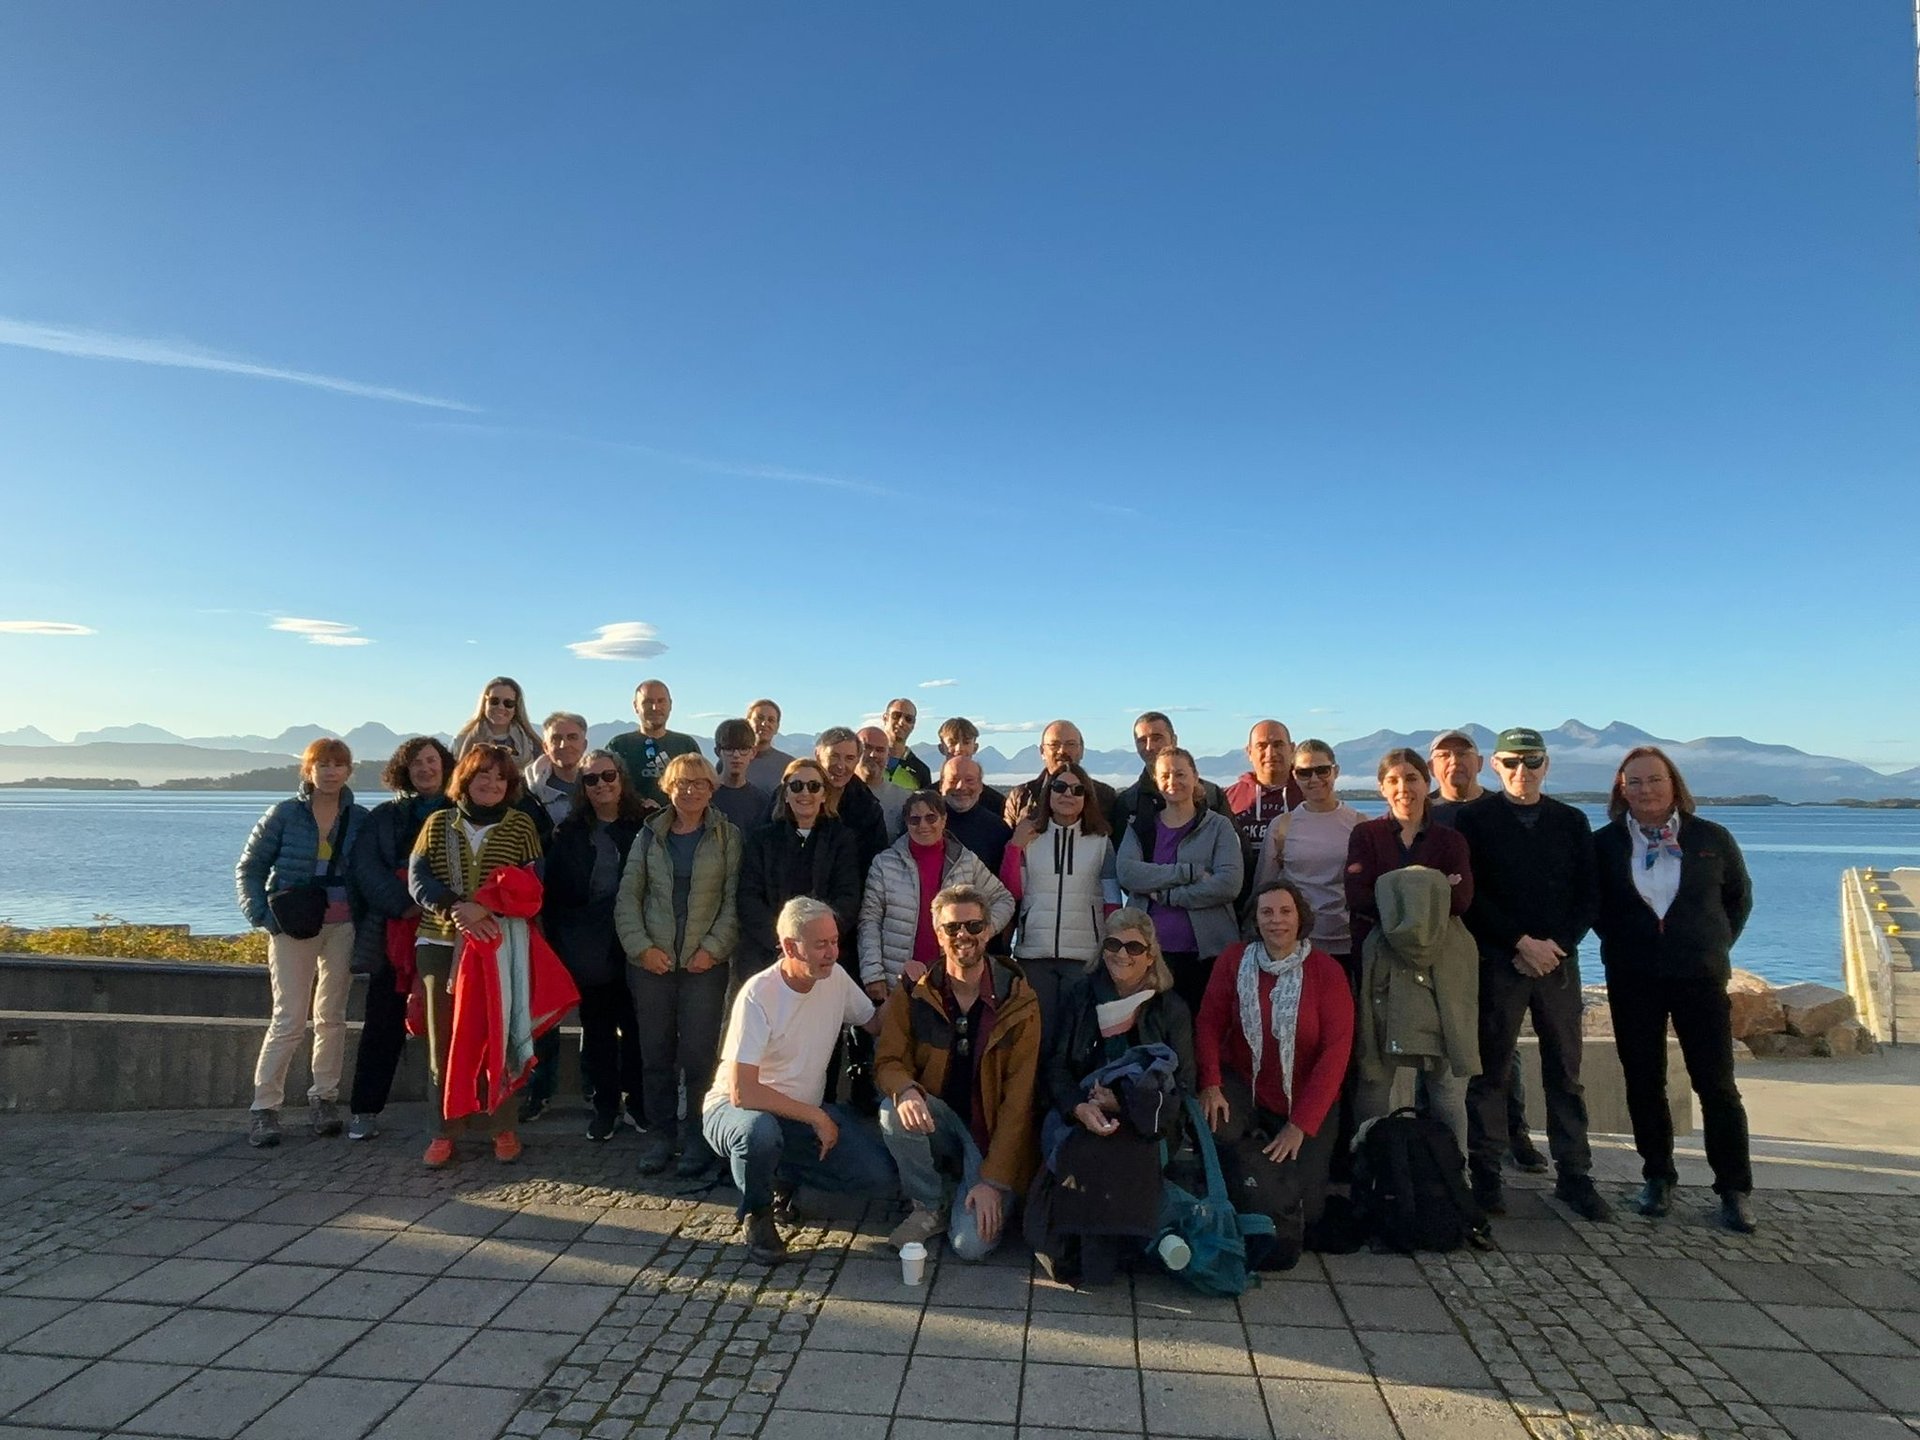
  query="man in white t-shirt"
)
[{"x": 764, "y": 1114}]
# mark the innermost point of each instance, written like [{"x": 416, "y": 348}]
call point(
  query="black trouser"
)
[
  {"x": 610, "y": 1046},
  {"x": 680, "y": 1017},
  {"x": 1190, "y": 974},
  {"x": 1553, "y": 1000},
  {"x": 1702, "y": 1019},
  {"x": 1516, "y": 1103},
  {"x": 383, "y": 1034}
]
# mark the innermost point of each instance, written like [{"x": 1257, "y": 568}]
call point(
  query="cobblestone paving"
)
[{"x": 159, "y": 1278}]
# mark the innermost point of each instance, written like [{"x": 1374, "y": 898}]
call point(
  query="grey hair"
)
[
  {"x": 548, "y": 723},
  {"x": 1128, "y": 918},
  {"x": 831, "y": 736},
  {"x": 800, "y": 912}
]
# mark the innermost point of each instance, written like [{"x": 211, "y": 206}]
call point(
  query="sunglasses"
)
[
  {"x": 956, "y": 927},
  {"x": 1313, "y": 772},
  {"x": 1067, "y": 787},
  {"x": 1113, "y": 945},
  {"x": 1514, "y": 762},
  {"x": 502, "y": 702},
  {"x": 599, "y": 777},
  {"x": 809, "y": 787}
]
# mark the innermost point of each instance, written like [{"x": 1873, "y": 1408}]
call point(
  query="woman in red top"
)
[
  {"x": 1271, "y": 1048},
  {"x": 1405, "y": 835}
]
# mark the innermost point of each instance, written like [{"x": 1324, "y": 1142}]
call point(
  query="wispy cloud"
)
[
  {"x": 708, "y": 465},
  {"x": 1124, "y": 512},
  {"x": 321, "y": 632},
  {"x": 622, "y": 640},
  {"x": 1169, "y": 709},
  {"x": 101, "y": 345},
  {"x": 1010, "y": 727},
  {"x": 44, "y": 627},
  {"x": 936, "y": 684},
  {"x": 1323, "y": 710}
]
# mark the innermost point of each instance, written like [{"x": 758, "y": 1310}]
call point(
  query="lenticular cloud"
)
[{"x": 622, "y": 640}]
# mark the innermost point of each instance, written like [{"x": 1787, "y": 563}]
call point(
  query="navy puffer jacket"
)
[
  {"x": 377, "y": 874},
  {"x": 283, "y": 851}
]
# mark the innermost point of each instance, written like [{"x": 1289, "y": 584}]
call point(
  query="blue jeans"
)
[
  {"x": 760, "y": 1147},
  {"x": 923, "y": 1159}
]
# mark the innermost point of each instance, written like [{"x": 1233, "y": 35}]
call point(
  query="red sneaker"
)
[
  {"x": 506, "y": 1147},
  {"x": 439, "y": 1153}
]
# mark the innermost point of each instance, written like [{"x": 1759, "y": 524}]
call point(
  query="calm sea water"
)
[{"x": 168, "y": 856}]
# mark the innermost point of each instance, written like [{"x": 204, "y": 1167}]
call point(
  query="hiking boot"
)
[
  {"x": 786, "y": 1205},
  {"x": 920, "y": 1226},
  {"x": 1655, "y": 1198},
  {"x": 1487, "y": 1193},
  {"x": 532, "y": 1107},
  {"x": 363, "y": 1127},
  {"x": 762, "y": 1238},
  {"x": 439, "y": 1153},
  {"x": 323, "y": 1117},
  {"x": 1736, "y": 1213},
  {"x": 263, "y": 1129},
  {"x": 1579, "y": 1196},
  {"x": 602, "y": 1125},
  {"x": 506, "y": 1147},
  {"x": 656, "y": 1154},
  {"x": 1526, "y": 1155},
  {"x": 695, "y": 1159}
]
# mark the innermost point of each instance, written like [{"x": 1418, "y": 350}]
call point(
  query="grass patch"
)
[{"x": 115, "y": 939}]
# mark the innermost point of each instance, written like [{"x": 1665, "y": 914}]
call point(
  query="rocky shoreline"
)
[{"x": 1803, "y": 1021}]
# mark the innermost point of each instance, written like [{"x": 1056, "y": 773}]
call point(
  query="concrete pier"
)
[{"x": 1880, "y": 930}]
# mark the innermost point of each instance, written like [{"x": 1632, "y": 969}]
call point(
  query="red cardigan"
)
[
  {"x": 1373, "y": 849},
  {"x": 1322, "y": 1040}
]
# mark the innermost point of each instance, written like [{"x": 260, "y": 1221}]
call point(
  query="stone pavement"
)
[{"x": 159, "y": 1278}]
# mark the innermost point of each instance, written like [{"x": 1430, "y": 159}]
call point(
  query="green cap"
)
[{"x": 1520, "y": 741}]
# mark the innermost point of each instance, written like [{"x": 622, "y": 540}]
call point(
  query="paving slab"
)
[
  {"x": 1308, "y": 1304},
  {"x": 1892, "y": 1380},
  {"x": 505, "y": 1358},
  {"x": 1434, "y": 1412},
  {"x": 1394, "y": 1307},
  {"x": 97, "y": 1327},
  {"x": 245, "y": 1240},
  {"x": 1080, "y": 1396},
  {"x": 1788, "y": 1377},
  {"x": 299, "y": 1344},
  {"x": 269, "y": 1287},
  {"x": 178, "y": 1280},
  {"x": 104, "y": 1395},
  {"x": 942, "y": 1387},
  {"x": 1327, "y": 1410},
  {"x": 24, "y": 1376},
  {"x": 352, "y": 1407},
  {"x": 822, "y": 1425},
  {"x": 1179, "y": 1403},
  {"x": 192, "y": 1337},
  {"x": 866, "y": 1326},
  {"x": 1420, "y": 1358},
  {"x": 83, "y": 1278},
  {"x": 215, "y": 1404},
  {"x": 362, "y": 1294},
  {"x": 471, "y": 1412},
  {"x": 1840, "y": 1330},
  {"x": 999, "y": 1335},
  {"x": 1216, "y": 1347},
  {"x": 395, "y": 1350},
  {"x": 22, "y": 1315},
  {"x": 1727, "y": 1322},
  {"x": 823, "y": 1380},
  {"x": 1303, "y": 1352},
  {"x": 1100, "y": 1340}
]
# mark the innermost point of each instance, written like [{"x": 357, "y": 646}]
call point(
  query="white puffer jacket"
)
[
  {"x": 890, "y": 911},
  {"x": 1066, "y": 881}
]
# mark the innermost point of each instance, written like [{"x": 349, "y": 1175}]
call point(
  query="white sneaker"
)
[{"x": 920, "y": 1226}]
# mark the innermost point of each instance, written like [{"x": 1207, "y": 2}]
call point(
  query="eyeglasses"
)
[
  {"x": 693, "y": 785},
  {"x": 1514, "y": 762},
  {"x": 1313, "y": 772},
  {"x": 1113, "y": 945},
  {"x": 502, "y": 702},
  {"x": 1067, "y": 787},
  {"x": 925, "y": 817},
  {"x": 951, "y": 928},
  {"x": 599, "y": 777},
  {"x": 809, "y": 787},
  {"x": 733, "y": 750}
]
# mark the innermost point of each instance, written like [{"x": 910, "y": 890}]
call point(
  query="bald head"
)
[
  {"x": 960, "y": 782},
  {"x": 1270, "y": 752},
  {"x": 873, "y": 754},
  {"x": 1060, "y": 742}
]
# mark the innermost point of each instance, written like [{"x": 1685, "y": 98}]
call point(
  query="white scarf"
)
[{"x": 1284, "y": 1008}]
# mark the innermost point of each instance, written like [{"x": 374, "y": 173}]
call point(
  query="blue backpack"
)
[{"x": 1214, "y": 1231}]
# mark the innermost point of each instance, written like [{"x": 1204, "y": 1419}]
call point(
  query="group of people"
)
[{"x": 1020, "y": 988}]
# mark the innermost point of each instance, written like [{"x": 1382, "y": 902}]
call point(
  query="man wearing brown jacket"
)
[{"x": 956, "y": 1059}]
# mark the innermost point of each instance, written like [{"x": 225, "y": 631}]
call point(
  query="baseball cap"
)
[
  {"x": 1520, "y": 741},
  {"x": 1452, "y": 740}
]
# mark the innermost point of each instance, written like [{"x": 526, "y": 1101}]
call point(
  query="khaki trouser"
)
[
  {"x": 436, "y": 971},
  {"x": 311, "y": 980}
]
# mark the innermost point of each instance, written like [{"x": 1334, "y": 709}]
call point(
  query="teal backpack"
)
[{"x": 1213, "y": 1230}]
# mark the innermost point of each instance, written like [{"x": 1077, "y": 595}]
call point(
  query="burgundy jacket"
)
[{"x": 1373, "y": 849}]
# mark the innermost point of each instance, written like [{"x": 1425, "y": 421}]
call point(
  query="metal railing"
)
[{"x": 1869, "y": 959}]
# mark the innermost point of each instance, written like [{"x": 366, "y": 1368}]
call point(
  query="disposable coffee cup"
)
[
  {"x": 1174, "y": 1252},
  {"x": 913, "y": 1263}
]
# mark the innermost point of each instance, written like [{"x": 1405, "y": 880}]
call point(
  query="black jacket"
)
[
  {"x": 579, "y": 928},
  {"x": 859, "y": 810},
  {"x": 1694, "y": 940},
  {"x": 1078, "y": 1049},
  {"x": 775, "y": 867},
  {"x": 376, "y": 873},
  {"x": 1537, "y": 881}
]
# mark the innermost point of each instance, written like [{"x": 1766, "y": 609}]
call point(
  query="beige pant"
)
[
  {"x": 436, "y": 970},
  {"x": 311, "y": 980}
]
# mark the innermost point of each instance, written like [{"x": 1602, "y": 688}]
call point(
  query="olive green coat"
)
[{"x": 643, "y": 910}]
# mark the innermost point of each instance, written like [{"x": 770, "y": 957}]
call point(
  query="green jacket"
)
[
  {"x": 643, "y": 915},
  {"x": 1419, "y": 981}
]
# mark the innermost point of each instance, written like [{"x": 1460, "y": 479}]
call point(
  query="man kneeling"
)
[
  {"x": 956, "y": 1058},
  {"x": 763, "y": 1115}
]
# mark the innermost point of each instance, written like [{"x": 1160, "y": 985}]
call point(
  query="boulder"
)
[
  {"x": 1742, "y": 1050},
  {"x": 1814, "y": 1009},
  {"x": 1780, "y": 1046},
  {"x": 1755, "y": 1009},
  {"x": 1845, "y": 1041}
]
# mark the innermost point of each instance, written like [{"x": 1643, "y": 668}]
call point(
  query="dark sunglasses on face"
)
[
  {"x": 956, "y": 927},
  {"x": 1113, "y": 945},
  {"x": 1313, "y": 772},
  {"x": 1067, "y": 787},
  {"x": 811, "y": 787},
  {"x": 503, "y": 702},
  {"x": 599, "y": 777},
  {"x": 1514, "y": 762}
]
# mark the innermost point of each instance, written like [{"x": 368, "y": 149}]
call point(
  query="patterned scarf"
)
[
  {"x": 1288, "y": 972},
  {"x": 1660, "y": 841}
]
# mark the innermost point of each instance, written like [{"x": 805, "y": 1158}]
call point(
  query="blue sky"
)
[{"x": 1363, "y": 364}]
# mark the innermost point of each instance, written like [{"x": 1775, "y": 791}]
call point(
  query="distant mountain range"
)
[{"x": 1584, "y": 758}]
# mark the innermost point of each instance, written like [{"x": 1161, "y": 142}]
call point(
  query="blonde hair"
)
[
  {"x": 1128, "y": 918},
  {"x": 689, "y": 767}
]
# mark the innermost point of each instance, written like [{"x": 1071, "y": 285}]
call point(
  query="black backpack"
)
[{"x": 1407, "y": 1183}]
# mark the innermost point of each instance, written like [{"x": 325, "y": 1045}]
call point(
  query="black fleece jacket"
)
[
  {"x": 1694, "y": 940},
  {"x": 1536, "y": 880}
]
